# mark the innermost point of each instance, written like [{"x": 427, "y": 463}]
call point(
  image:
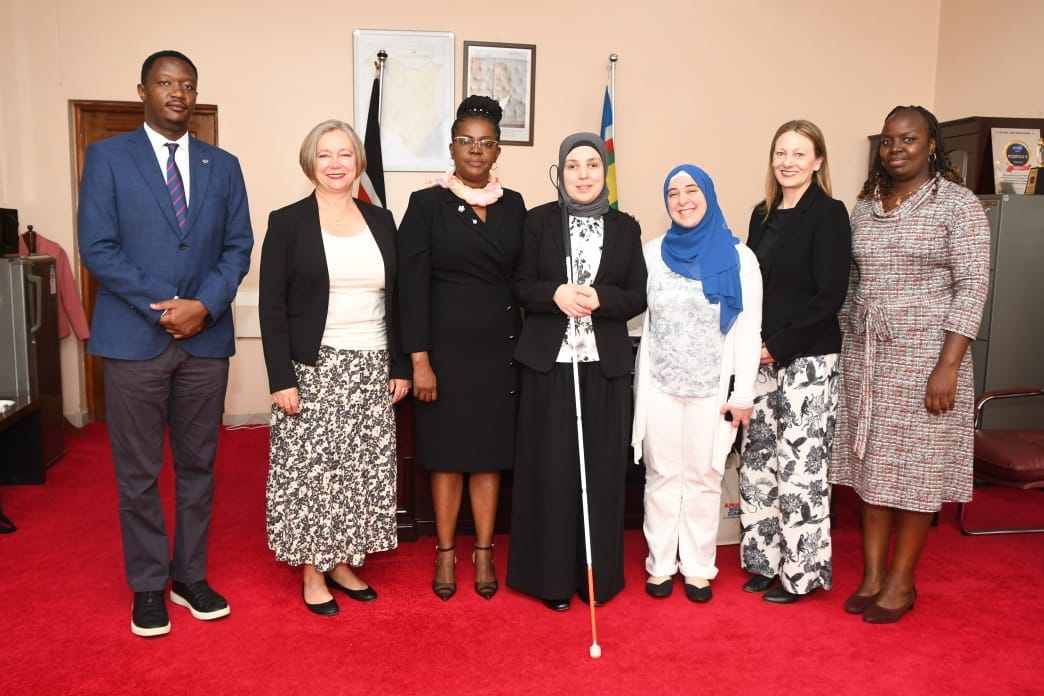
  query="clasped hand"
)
[
  {"x": 181, "y": 318},
  {"x": 576, "y": 301}
]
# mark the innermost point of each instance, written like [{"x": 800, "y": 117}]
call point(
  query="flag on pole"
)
[
  {"x": 607, "y": 136},
  {"x": 371, "y": 186}
]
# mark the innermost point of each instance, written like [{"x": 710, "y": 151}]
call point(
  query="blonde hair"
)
[
  {"x": 773, "y": 191},
  {"x": 311, "y": 144}
]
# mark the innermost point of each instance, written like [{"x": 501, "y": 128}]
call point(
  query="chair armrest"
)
[{"x": 982, "y": 399}]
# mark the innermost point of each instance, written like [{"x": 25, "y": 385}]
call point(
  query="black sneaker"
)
[
  {"x": 204, "y": 603},
  {"x": 149, "y": 615}
]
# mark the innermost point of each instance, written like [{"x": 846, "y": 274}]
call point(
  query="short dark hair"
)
[{"x": 151, "y": 60}]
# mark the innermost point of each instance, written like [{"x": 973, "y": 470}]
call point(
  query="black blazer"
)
[
  {"x": 805, "y": 277},
  {"x": 620, "y": 284},
  {"x": 295, "y": 289}
]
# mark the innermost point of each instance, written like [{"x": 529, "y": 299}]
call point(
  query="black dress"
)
[{"x": 456, "y": 284}]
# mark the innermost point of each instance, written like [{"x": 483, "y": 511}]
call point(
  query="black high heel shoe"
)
[
  {"x": 443, "y": 590},
  {"x": 486, "y": 589}
]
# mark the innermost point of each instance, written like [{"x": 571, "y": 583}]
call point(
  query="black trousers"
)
[
  {"x": 143, "y": 398},
  {"x": 547, "y": 555}
]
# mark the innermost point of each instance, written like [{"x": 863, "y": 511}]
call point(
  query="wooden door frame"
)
[{"x": 83, "y": 114}]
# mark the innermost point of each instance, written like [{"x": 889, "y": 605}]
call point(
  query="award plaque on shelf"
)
[{"x": 1015, "y": 153}]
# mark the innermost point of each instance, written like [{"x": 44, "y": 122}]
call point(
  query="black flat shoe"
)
[
  {"x": 556, "y": 604},
  {"x": 366, "y": 594},
  {"x": 328, "y": 608},
  {"x": 698, "y": 594},
  {"x": 661, "y": 590},
  {"x": 758, "y": 583},
  {"x": 778, "y": 595}
]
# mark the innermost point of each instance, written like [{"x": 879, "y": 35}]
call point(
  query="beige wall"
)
[
  {"x": 704, "y": 82},
  {"x": 983, "y": 48}
]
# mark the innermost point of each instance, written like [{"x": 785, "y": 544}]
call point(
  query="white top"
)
[
  {"x": 684, "y": 336},
  {"x": 355, "y": 318},
  {"x": 181, "y": 157},
  {"x": 740, "y": 356},
  {"x": 586, "y": 236}
]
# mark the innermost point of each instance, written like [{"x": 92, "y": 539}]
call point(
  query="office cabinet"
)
[{"x": 1006, "y": 352}]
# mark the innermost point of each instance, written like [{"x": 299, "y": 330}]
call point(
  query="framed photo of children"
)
[{"x": 507, "y": 73}]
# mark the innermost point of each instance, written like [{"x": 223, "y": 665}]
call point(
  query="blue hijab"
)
[{"x": 706, "y": 252}]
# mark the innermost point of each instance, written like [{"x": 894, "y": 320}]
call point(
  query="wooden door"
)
[{"x": 97, "y": 120}]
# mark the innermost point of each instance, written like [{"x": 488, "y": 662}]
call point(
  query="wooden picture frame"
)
[{"x": 507, "y": 73}]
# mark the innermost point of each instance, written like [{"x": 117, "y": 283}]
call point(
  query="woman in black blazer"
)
[
  {"x": 459, "y": 242},
  {"x": 803, "y": 243},
  {"x": 329, "y": 332},
  {"x": 547, "y": 557}
]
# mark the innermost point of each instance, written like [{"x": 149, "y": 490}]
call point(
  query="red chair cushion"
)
[{"x": 1015, "y": 456}]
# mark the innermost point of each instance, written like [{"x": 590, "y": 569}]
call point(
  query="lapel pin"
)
[
  {"x": 460, "y": 209},
  {"x": 206, "y": 161}
]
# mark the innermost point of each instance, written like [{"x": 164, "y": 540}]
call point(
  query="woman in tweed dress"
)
[{"x": 920, "y": 250}]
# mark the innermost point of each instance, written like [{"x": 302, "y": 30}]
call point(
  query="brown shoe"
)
[
  {"x": 857, "y": 603},
  {"x": 876, "y": 614}
]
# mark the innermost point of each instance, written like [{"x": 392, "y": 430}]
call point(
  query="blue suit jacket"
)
[{"x": 130, "y": 241}]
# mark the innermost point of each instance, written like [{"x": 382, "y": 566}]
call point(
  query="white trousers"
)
[{"x": 682, "y": 485}]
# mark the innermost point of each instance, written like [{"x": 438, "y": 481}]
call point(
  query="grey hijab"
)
[{"x": 599, "y": 205}]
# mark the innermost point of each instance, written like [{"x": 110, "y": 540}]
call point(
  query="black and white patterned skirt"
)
[{"x": 331, "y": 476}]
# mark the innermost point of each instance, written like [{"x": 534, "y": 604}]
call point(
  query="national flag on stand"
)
[
  {"x": 607, "y": 136},
  {"x": 371, "y": 186}
]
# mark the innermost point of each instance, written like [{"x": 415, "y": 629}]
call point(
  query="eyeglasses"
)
[{"x": 465, "y": 141}]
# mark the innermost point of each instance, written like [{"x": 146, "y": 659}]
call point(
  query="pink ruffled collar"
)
[{"x": 491, "y": 193}]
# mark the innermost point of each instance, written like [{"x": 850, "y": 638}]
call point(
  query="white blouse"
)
[
  {"x": 586, "y": 235},
  {"x": 355, "y": 317},
  {"x": 685, "y": 341}
]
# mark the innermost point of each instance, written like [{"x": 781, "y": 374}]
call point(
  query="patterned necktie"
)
[{"x": 176, "y": 188}]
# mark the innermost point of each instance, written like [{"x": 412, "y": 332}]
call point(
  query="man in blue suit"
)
[{"x": 163, "y": 225}]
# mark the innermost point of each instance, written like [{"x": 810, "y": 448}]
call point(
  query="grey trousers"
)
[{"x": 143, "y": 398}]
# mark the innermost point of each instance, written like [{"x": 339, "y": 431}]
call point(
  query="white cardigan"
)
[{"x": 740, "y": 355}]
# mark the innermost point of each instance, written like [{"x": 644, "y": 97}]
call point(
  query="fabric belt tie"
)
[{"x": 875, "y": 328}]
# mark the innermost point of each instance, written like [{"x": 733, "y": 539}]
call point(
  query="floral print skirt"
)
[
  {"x": 785, "y": 506},
  {"x": 331, "y": 476}
]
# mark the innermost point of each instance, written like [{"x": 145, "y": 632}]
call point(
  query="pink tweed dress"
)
[{"x": 918, "y": 271}]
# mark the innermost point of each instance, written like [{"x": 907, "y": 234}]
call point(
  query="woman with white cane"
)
[{"x": 548, "y": 557}]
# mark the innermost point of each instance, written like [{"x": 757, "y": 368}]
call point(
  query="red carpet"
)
[{"x": 64, "y": 622}]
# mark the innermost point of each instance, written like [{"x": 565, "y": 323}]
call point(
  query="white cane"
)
[{"x": 573, "y": 331}]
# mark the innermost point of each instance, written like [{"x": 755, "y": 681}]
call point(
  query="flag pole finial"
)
[{"x": 613, "y": 57}]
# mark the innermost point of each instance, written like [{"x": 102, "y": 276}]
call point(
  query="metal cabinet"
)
[{"x": 1007, "y": 350}]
